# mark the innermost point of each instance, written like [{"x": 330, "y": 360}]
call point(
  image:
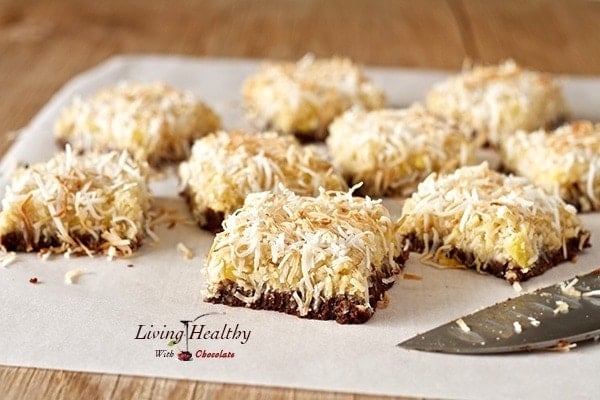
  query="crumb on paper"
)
[
  {"x": 383, "y": 303},
  {"x": 517, "y": 327},
  {"x": 569, "y": 289},
  {"x": 7, "y": 259},
  {"x": 169, "y": 217},
  {"x": 129, "y": 265},
  {"x": 73, "y": 275},
  {"x": 534, "y": 322},
  {"x": 517, "y": 286},
  {"x": 111, "y": 253},
  {"x": 561, "y": 307},
  {"x": 463, "y": 325},
  {"x": 411, "y": 277},
  {"x": 34, "y": 280},
  {"x": 185, "y": 251},
  {"x": 563, "y": 345}
]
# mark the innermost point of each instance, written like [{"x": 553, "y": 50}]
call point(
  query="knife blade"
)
[{"x": 557, "y": 315}]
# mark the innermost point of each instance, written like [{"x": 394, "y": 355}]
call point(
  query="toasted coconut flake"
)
[{"x": 185, "y": 251}]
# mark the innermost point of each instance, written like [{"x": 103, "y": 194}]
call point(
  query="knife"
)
[{"x": 552, "y": 317}]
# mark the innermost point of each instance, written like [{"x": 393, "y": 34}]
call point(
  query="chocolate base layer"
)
[
  {"x": 210, "y": 219},
  {"x": 343, "y": 309},
  {"x": 21, "y": 242},
  {"x": 155, "y": 161},
  {"x": 305, "y": 137},
  {"x": 508, "y": 270}
]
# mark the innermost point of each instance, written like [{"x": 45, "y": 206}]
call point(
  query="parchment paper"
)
[{"x": 93, "y": 325}]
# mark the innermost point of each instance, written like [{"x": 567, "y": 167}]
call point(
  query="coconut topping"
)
[
  {"x": 225, "y": 167},
  {"x": 304, "y": 97},
  {"x": 565, "y": 161},
  {"x": 311, "y": 247},
  {"x": 391, "y": 151},
  {"x": 493, "y": 216},
  {"x": 155, "y": 122},
  {"x": 77, "y": 205},
  {"x": 499, "y": 100}
]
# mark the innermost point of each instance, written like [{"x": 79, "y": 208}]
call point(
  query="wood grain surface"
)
[{"x": 44, "y": 43}]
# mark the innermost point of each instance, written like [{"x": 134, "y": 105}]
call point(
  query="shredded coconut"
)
[
  {"x": 499, "y": 100},
  {"x": 391, "y": 151},
  {"x": 311, "y": 247},
  {"x": 304, "y": 97},
  {"x": 227, "y": 166},
  {"x": 155, "y": 122},
  {"x": 86, "y": 204},
  {"x": 493, "y": 216},
  {"x": 565, "y": 161}
]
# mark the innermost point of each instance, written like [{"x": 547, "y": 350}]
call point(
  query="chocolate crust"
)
[
  {"x": 343, "y": 309},
  {"x": 210, "y": 219},
  {"x": 155, "y": 161},
  {"x": 509, "y": 270},
  {"x": 21, "y": 242},
  {"x": 305, "y": 137}
]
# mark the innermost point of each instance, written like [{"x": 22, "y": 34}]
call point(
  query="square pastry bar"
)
[
  {"x": 392, "y": 150},
  {"x": 303, "y": 98},
  {"x": 565, "y": 161},
  {"x": 503, "y": 225},
  {"x": 77, "y": 204},
  {"x": 332, "y": 256},
  {"x": 153, "y": 121},
  {"x": 497, "y": 100},
  {"x": 227, "y": 166}
]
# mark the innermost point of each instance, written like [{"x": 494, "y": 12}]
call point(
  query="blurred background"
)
[{"x": 44, "y": 43}]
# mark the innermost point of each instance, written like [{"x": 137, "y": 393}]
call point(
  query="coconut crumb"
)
[
  {"x": 463, "y": 325},
  {"x": 7, "y": 259},
  {"x": 569, "y": 289},
  {"x": 563, "y": 345},
  {"x": 562, "y": 307},
  {"x": 73, "y": 275},
  {"x": 534, "y": 322},
  {"x": 517, "y": 327},
  {"x": 517, "y": 286},
  {"x": 187, "y": 253},
  {"x": 383, "y": 303},
  {"x": 411, "y": 277}
]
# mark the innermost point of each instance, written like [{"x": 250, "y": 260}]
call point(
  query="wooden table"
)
[{"x": 44, "y": 43}]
